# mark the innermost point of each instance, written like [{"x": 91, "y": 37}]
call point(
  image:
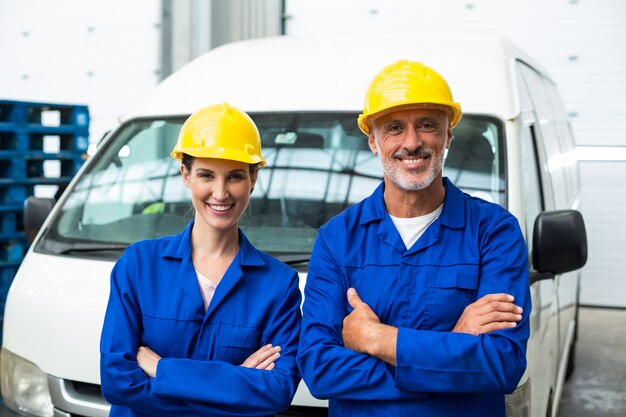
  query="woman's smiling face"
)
[{"x": 220, "y": 190}]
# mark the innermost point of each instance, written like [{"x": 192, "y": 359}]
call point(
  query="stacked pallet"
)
[{"x": 41, "y": 144}]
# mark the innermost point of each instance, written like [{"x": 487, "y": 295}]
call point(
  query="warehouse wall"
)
[
  {"x": 193, "y": 27},
  {"x": 604, "y": 205},
  {"x": 103, "y": 53},
  {"x": 581, "y": 44},
  {"x": 109, "y": 54}
]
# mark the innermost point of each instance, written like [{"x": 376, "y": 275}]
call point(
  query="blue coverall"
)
[
  {"x": 473, "y": 249},
  {"x": 155, "y": 301}
]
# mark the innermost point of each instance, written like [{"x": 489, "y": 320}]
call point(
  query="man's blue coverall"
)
[
  {"x": 155, "y": 301},
  {"x": 473, "y": 249}
]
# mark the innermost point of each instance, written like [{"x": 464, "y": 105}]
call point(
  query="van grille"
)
[{"x": 77, "y": 399}]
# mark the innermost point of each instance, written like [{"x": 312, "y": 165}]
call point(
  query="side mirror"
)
[
  {"x": 36, "y": 209},
  {"x": 559, "y": 242}
]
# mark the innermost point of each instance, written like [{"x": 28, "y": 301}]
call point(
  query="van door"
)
[
  {"x": 544, "y": 326},
  {"x": 544, "y": 352}
]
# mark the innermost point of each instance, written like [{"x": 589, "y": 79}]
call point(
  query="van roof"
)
[{"x": 332, "y": 73}]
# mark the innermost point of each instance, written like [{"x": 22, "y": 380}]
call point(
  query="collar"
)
[
  {"x": 452, "y": 215},
  {"x": 180, "y": 246}
]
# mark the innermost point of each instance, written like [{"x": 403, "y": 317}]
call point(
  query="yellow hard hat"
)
[
  {"x": 220, "y": 131},
  {"x": 406, "y": 85}
]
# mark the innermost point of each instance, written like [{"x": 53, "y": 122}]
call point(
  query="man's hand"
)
[
  {"x": 363, "y": 332},
  {"x": 490, "y": 313},
  {"x": 148, "y": 361},
  {"x": 264, "y": 358}
]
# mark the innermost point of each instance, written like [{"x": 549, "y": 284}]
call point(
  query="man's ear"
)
[
  {"x": 450, "y": 137},
  {"x": 371, "y": 141},
  {"x": 185, "y": 174}
]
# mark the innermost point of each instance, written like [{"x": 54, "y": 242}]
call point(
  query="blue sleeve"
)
[
  {"x": 236, "y": 390},
  {"x": 123, "y": 382},
  {"x": 458, "y": 362},
  {"x": 329, "y": 369}
]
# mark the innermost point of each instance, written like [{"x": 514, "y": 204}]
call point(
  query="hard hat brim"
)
[
  {"x": 219, "y": 153},
  {"x": 453, "y": 109}
]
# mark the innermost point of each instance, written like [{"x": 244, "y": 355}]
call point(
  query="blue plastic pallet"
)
[
  {"x": 6, "y": 279},
  {"x": 11, "y": 237},
  {"x": 11, "y": 207},
  {"x": 33, "y": 166},
  {"x": 11, "y": 224},
  {"x": 7, "y": 274},
  {"x": 12, "y": 263},
  {"x": 20, "y": 138},
  {"x": 12, "y": 252},
  {"x": 29, "y": 112},
  {"x": 14, "y": 194},
  {"x": 39, "y": 155}
]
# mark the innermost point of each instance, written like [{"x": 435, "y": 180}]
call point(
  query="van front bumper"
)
[{"x": 7, "y": 412}]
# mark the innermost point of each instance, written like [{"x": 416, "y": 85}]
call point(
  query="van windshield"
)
[{"x": 317, "y": 165}]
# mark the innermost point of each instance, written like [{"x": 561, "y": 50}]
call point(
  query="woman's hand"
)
[
  {"x": 148, "y": 361},
  {"x": 263, "y": 358}
]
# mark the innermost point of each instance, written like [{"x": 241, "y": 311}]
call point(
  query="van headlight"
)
[
  {"x": 518, "y": 403},
  {"x": 24, "y": 386}
]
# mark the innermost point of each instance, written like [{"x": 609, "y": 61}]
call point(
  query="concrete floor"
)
[{"x": 598, "y": 385}]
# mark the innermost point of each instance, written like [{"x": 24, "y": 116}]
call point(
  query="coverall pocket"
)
[
  {"x": 158, "y": 333},
  {"x": 236, "y": 343},
  {"x": 450, "y": 290},
  {"x": 360, "y": 408}
]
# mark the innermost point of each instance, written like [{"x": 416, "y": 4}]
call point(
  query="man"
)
[{"x": 417, "y": 299}]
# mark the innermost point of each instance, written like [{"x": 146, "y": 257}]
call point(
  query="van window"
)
[
  {"x": 533, "y": 191},
  {"x": 475, "y": 160},
  {"x": 318, "y": 164}
]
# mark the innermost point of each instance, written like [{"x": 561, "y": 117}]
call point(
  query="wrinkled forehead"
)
[{"x": 433, "y": 111}]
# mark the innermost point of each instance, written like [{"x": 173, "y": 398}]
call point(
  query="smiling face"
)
[
  {"x": 220, "y": 191},
  {"x": 411, "y": 145}
]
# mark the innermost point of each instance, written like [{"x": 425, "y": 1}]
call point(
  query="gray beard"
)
[{"x": 415, "y": 181}]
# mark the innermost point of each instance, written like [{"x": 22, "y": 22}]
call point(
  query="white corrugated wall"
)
[
  {"x": 604, "y": 206},
  {"x": 580, "y": 43},
  {"x": 103, "y": 53}
]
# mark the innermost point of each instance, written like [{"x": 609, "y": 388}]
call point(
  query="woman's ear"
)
[
  {"x": 185, "y": 174},
  {"x": 254, "y": 174}
]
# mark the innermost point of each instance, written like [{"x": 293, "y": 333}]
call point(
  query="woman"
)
[{"x": 202, "y": 323}]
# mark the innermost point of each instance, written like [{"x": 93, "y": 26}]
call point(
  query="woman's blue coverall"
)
[
  {"x": 155, "y": 301},
  {"x": 473, "y": 249}
]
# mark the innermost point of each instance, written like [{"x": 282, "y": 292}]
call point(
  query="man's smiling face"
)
[{"x": 411, "y": 145}]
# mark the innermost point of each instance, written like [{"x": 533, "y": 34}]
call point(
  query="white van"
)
[{"x": 513, "y": 147}]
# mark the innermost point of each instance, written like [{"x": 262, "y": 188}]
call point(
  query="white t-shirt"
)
[
  {"x": 207, "y": 289},
  {"x": 411, "y": 228}
]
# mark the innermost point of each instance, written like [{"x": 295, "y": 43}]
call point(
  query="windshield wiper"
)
[
  {"x": 294, "y": 259},
  {"x": 65, "y": 248}
]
